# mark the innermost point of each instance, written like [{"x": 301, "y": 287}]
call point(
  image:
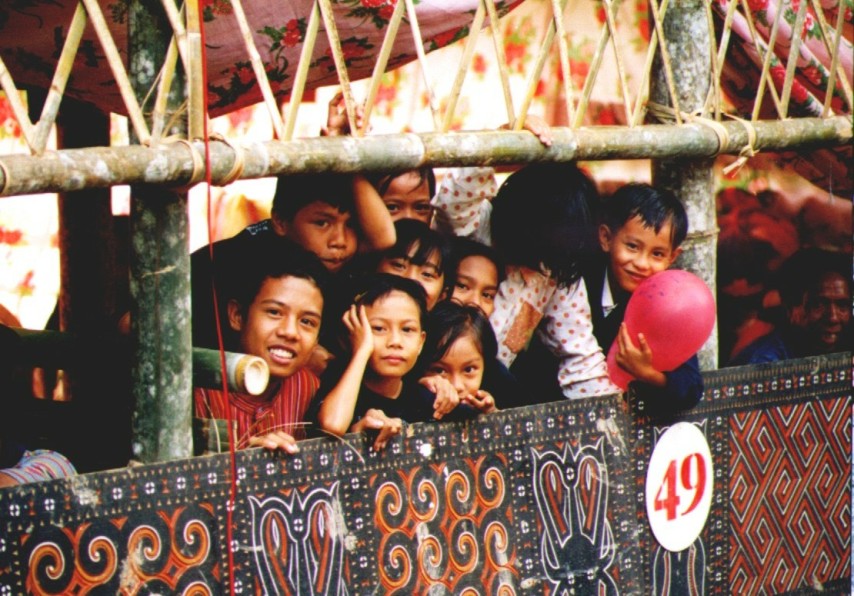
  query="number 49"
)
[{"x": 667, "y": 497}]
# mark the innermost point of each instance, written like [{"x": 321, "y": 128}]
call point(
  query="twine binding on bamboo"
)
[
  {"x": 666, "y": 115},
  {"x": 237, "y": 165},
  {"x": 198, "y": 164}
]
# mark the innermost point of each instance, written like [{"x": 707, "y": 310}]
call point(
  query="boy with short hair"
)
[
  {"x": 331, "y": 215},
  {"x": 640, "y": 233},
  {"x": 275, "y": 309}
]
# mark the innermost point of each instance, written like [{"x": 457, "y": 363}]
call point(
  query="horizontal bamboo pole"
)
[
  {"x": 172, "y": 164},
  {"x": 64, "y": 351}
]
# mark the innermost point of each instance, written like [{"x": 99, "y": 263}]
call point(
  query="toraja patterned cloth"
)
[
  {"x": 529, "y": 302},
  {"x": 38, "y": 465}
]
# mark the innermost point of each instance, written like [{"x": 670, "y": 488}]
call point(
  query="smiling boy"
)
[
  {"x": 640, "y": 233},
  {"x": 275, "y": 309},
  {"x": 329, "y": 215}
]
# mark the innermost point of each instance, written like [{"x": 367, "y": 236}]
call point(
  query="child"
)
[
  {"x": 407, "y": 195},
  {"x": 330, "y": 215},
  {"x": 461, "y": 347},
  {"x": 419, "y": 254},
  {"x": 478, "y": 271},
  {"x": 276, "y": 310},
  {"x": 640, "y": 234},
  {"x": 375, "y": 390},
  {"x": 542, "y": 228}
]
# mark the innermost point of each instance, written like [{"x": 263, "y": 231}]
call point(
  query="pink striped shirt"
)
[{"x": 258, "y": 415}]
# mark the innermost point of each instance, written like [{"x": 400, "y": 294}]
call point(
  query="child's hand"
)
[
  {"x": 538, "y": 126},
  {"x": 377, "y": 420},
  {"x": 278, "y": 439},
  {"x": 337, "y": 124},
  {"x": 637, "y": 359},
  {"x": 481, "y": 401},
  {"x": 361, "y": 336},
  {"x": 446, "y": 396}
]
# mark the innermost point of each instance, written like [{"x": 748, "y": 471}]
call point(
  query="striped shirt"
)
[
  {"x": 257, "y": 414},
  {"x": 38, "y": 465}
]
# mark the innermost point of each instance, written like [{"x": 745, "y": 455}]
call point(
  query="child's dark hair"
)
[
  {"x": 285, "y": 259},
  {"x": 411, "y": 234},
  {"x": 463, "y": 247},
  {"x": 542, "y": 219},
  {"x": 295, "y": 191},
  {"x": 379, "y": 285},
  {"x": 449, "y": 321},
  {"x": 655, "y": 207},
  {"x": 382, "y": 181}
]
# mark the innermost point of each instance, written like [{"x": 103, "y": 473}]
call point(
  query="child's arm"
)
[
  {"x": 373, "y": 216},
  {"x": 663, "y": 393},
  {"x": 377, "y": 420},
  {"x": 637, "y": 359},
  {"x": 446, "y": 396},
  {"x": 336, "y": 411}
]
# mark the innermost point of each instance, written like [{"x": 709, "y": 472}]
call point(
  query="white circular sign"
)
[{"x": 679, "y": 486}]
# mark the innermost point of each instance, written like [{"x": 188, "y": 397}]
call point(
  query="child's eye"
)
[
  {"x": 273, "y": 312},
  {"x": 423, "y": 208},
  {"x": 471, "y": 369},
  {"x": 397, "y": 264},
  {"x": 310, "y": 323},
  {"x": 437, "y": 370},
  {"x": 461, "y": 286},
  {"x": 321, "y": 223},
  {"x": 489, "y": 296},
  {"x": 377, "y": 328},
  {"x": 411, "y": 329},
  {"x": 392, "y": 208}
]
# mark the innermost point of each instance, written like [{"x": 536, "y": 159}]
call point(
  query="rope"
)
[
  {"x": 236, "y": 166},
  {"x": 199, "y": 169},
  {"x": 666, "y": 115}
]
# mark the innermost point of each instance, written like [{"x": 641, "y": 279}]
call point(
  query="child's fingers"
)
[{"x": 276, "y": 440}]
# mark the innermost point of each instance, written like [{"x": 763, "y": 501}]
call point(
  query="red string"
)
[{"x": 229, "y": 509}]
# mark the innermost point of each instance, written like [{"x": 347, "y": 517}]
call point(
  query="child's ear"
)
[
  {"x": 421, "y": 345},
  {"x": 280, "y": 226},
  {"x": 605, "y": 238},
  {"x": 675, "y": 255},
  {"x": 235, "y": 316}
]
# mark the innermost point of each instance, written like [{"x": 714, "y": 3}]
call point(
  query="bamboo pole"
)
[
  {"x": 173, "y": 164},
  {"x": 687, "y": 75},
  {"x": 159, "y": 263},
  {"x": 69, "y": 351}
]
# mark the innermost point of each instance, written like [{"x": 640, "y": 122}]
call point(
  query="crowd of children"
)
[{"x": 387, "y": 301}]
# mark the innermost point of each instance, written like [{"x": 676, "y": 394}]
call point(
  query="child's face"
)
[
  {"x": 637, "y": 252},
  {"x": 398, "y": 338},
  {"x": 428, "y": 274},
  {"x": 324, "y": 230},
  {"x": 282, "y": 323},
  {"x": 408, "y": 197},
  {"x": 477, "y": 283},
  {"x": 462, "y": 365}
]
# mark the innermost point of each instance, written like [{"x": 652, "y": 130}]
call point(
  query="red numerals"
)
[{"x": 693, "y": 478}]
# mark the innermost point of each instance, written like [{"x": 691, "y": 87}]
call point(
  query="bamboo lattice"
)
[{"x": 186, "y": 51}]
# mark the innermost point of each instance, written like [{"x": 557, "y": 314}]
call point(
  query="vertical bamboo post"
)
[
  {"x": 686, "y": 31},
  {"x": 91, "y": 299},
  {"x": 161, "y": 353}
]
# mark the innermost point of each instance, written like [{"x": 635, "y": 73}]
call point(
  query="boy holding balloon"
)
[{"x": 640, "y": 232}]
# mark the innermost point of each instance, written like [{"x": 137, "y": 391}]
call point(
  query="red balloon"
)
[{"x": 675, "y": 310}]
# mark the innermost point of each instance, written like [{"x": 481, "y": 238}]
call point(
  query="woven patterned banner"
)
[{"x": 540, "y": 500}]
